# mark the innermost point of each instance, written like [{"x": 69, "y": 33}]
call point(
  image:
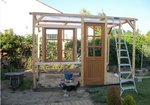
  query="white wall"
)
[{"x": 15, "y": 14}]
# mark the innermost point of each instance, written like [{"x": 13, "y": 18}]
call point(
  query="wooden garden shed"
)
[{"x": 95, "y": 41}]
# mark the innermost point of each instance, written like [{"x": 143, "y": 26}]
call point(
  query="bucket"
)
[{"x": 68, "y": 75}]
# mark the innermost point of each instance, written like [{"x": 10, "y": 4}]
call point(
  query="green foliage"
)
[
  {"x": 84, "y": 12},
  {"x": 15, "y": 50},
  {"x": 141, "y": 43},
  {"x": 3, "y": 71},
  {"x": 113, "y": 53},
  {"x": 129, "y": 100},
  {"x": 148, "y": 37},
  {"x": 26, "y": 84},
  {"x": 113, "y": 96},
  {"x": 142, "y": 98}
]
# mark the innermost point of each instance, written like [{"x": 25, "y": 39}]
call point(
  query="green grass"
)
[
  {"x": 99, "y": 95},
  {"x": 143, "y": 96}
]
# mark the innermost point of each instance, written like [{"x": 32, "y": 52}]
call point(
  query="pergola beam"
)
[
  {"x": 130, "y": 23},
  {"x": 57, "y": 26},
  {"x": 80, "y": 15}
]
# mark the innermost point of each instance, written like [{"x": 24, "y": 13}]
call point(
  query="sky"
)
[{"x": 139, "y": 9}]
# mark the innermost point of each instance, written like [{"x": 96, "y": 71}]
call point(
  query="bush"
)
[
  {"x": 113, "y": 96},
  {"x": 3, "y": 71},
  {"x": 26, "y": 84},
  {"x": 129, "y": 100}
]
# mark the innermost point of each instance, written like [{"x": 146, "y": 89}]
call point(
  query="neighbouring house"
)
[{"x": 15, "y": 14}]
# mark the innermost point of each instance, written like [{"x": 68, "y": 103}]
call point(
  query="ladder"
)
[{"x": 126, "y": 76}]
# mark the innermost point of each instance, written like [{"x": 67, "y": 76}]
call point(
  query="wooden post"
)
[
  {"x": 105, "y": 52},
  {"x": 82, "y": 52},
  {"x": 33, "y": 52},
  {"x": 60, "y": 42},
  {"x": 75, "y": 44},
  {"x": 38, "y": 43},
  {"x": 133, "y": 52},
  {"x": 108, "y": 50},
  {"x": 43, "y": 44}
]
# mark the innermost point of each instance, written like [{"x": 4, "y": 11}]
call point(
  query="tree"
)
[
  {"x": 83, "y": 11},
  {"x": 148, "y": 37},
  {"x": 102, "y": 13}
]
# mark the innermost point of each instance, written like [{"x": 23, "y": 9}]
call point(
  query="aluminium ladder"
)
[{"x": 126, "y": 76}]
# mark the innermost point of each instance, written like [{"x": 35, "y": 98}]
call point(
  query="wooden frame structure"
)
[{"x": 75, "y": 21}]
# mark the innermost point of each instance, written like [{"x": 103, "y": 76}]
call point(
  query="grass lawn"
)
[{"x": 99, "y": 95}]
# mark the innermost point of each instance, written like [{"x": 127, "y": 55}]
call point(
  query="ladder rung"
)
[
  {"x": 126, "y": 80},
  {"x": 122, "y": 50},
  {"x": 125, "y": 72},
  {"x": 123, "y": 57},
  {"x": 128, "y": 88},
  {"x": 121, "y": 43},
  {"x": 124, "y": 64}
]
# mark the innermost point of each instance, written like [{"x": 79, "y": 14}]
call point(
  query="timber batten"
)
[{"x": 75, "y": 21}]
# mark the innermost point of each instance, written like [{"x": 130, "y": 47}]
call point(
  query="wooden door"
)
[{"x": 93, "y": 54}]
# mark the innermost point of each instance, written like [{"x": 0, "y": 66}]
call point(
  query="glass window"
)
[
  {"x": 67, "y": 45},
  {"x": 90, "y": 51},
  {"x": 97, "y": 51},
  {"x": 62, "y": 39},
  {"x": 94, "y": 40},
  {"x": 51, "y": 44}
]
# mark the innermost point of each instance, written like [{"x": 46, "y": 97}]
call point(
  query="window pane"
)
[
  {"x": 97, "y": 51},
  {"x": 98, "y": 41},
  {"x": 51, "y": 33},
  {"x": 67, "y": 55},
  {"x": 68, "y": 34},
  {"x": 66, "y": 44},
  {"x": 90, "y": 51},
  {"x": 97, "y": 31},
  {"x": 90, "y": 31},
  {"x": 51, "y": 55},
  {"x": 51, "y": 44},
  {"x": 90, "y": 41}
]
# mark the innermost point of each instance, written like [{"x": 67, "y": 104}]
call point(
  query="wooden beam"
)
[
  {"x": 75, "y": 44},
  {"x": 82, "y": 52},
  {"x": 57, "y": 26},
  {"x": 59, "y": 36},
  {"x": 40, "y": 19},
  {"x": 133, "y": 51},
  {"x": 33, "y": 52},
  {"x": 108, "y": 48},
  {"x": 105, "y": 51},
  {"x": 60, "y": 21},
  {"x": 53, "y": 63},
  {"x": 130, "y": 23},
  {"x": 43, "y": 44},
  {"x": 79, "y": 15},
  {"x": 78, "y": 22},
  {"x": 109, "y": 30}
]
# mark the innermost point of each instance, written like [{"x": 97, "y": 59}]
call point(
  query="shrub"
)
[
  {"x": 113, "y": 96},
  {"x": 129, "y": 100},
  {"x": 26, "y": 84}
]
